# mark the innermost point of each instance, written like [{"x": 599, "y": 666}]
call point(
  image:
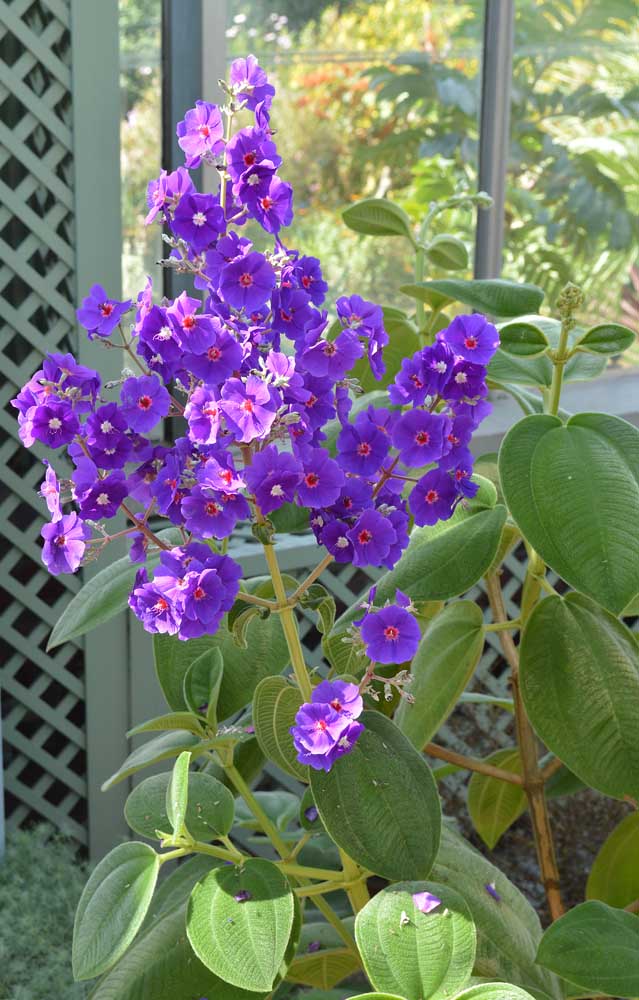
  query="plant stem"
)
[
  {"x": 310, "y": 579},
  {"x": 259, "y": 601},
  {"x": 337, "y": 924},
  {"x": 551, "y": 768},
  {"x": 420, "y": 265},
  {"x": 533, "y": 777},
  {"x": 267, "y": 825},
  {"x": 472, "y": 764},
  {"x": 559, "y": 361},
  {"x": 357, "y": 891},
  {"x": 289, "y": 625},
  {"x": 512, "y": 625}
]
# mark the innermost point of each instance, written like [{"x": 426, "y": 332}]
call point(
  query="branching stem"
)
[{"x": 472, "y": 764}]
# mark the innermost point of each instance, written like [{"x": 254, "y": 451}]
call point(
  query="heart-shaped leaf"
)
[
  {"x": 414, "y": 954},
  {"x": 380, "y": 804},
  {"x": 240, "y": 921},
  {"x": 573, "y": 490},
  {"x": 494, "y": 296},
  {"x": 495, "y": 991},
  {"x": 112, "y": 907},
  {"x": 441, "y": 669},
  {"x": 448, "y": 252},
  {"x": 494, "y": 805},
  {"x": 607, "y": 338},
  {"x": 579, "y": 673},
  {"x": 209, "y": 813},
  {"x": 275, "y": 705},
  {"x": 595, "y": 947},
  {"x": 614, "y": 876},
  {"x": 378, "y": 217},
  {"x": 522, "y": 340},
  {"x": 505, "y": 368}
]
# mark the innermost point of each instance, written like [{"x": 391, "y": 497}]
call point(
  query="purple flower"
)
[
  {"x": 100, "y": 314},
  {"x": 334, "y": 536},
  {"x": 466, "y": 381},
  {"x": 219, "y": 474},
  {"x": 104, "y": 497},
  {"x": 249, "y": 408},
  {"x": 322, "y": 480},
  {"x": 271, "y": 205},
  {"x": 220, "y": 360},
  {"x": 333, "y": 358},
  {"x": 200, "y": 133},
  {"x": 50, "y": 492},
  {"x": 199, "y": 220},
  {"x": 355, "y": 496},
  {"x": 273, "y": 477},
  {"x": 64, "y": 543},
  {"x": 426, "y": 902},
  {"x": 227, "y": 248},
  {"x": 164, "y": 193},
  {"x": 195, "y": 333},
  {"x": 242, "y": 896},
  {"x": 203, "y": 414},
  {"x": 145, "y": 401},
  {"x": 292, "y": 311},
  {"x": 433, "y": 498},
  {"x": 492, "y": 891},
  {"x": 358, "y": 314},
  {"x": 246, "y": 283},
  {"x": 250, "y": 83},
  {"x": 148, "y": 603},
  {"x": 343, "y": 698},
  {"x": 306, "y": 273},
  {"x": 391, "y": 635},
  {"x": 311, "y": 814},
  {"x": 421, "y": 437},
  {"x": 321, "y": 735},
  {"x": 54, "y": 423},
  {"x": 213, "y": 515},
  {"x": 106, "y": 439},
  {"x": 472, "y": 338},
  {"x": 248, "y": 147},
  {"x": 158, "y": 343},
  {"x": 361, "y": 447},
  {"x": 371, "y": 537}
]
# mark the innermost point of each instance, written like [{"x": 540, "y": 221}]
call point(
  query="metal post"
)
[
  {"x": 181, "y": 88},
  {"x": 494, "y": 132},
  {"x": 2, "y": 835}
]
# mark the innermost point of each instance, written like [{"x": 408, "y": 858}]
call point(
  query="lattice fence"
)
[{"x": 42, "y": 694}]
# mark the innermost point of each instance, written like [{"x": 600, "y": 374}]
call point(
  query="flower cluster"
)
[
  {"x": 326, "y": 727},
  {"x": 390, "y": 634},
  {"x": 262, "y": 382}
]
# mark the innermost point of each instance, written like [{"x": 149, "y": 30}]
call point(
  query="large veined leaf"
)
[
  {"x": 579, "y": 673},
  {"x": 494, "y": 805},
  {"x": 378, "y": 217},
  {"x": 202, "y": 684},
  {"x": 174, "y": 890},
  {"x": 152, "y": 752},
  {"x": 596, "y": 947},
  {"x": 607, "y": 338},
  {"x": 614, "y": 876},
  {"x": 447, "y": 252},
  {"x": 573, "y": 490},
  {"x": 380, "y": 804},
  {"x": 104, "y": 595},
  {"x": 240, "y": 921},
  {"x": 508, "y": 929},
  {"x": 494, "y": 296},
  {"x": 441, "y": 669},
  {"x": 267, "y": 654},
  {"x": 209, "y": 813},
  {"x": 177, "y": 793},
  {"x": 275, "y": 705},
  {"x": 414, "y": 954},
  {"x": 322, "y": 960},
  {"x": 112, "y": 907},
  {"x": 522, "y": 340},
  {"x": 494, "y": 991},
  {"x": 538, "y": 370},
  {"x": 161, "y": 965}
]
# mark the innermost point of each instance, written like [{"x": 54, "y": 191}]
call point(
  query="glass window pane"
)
[{"x": 376, "y": 98}]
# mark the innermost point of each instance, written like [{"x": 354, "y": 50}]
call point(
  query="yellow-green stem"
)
[
  {"x": 559, "y": 361},
  {"x": 289, "y": 625},
  {"x": 267, "y": 825},
  {"x": 358, "y": 891},
  {"x": 337, "y": 924}
]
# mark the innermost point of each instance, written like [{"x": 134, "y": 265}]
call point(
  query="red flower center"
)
[
  {"x": 330, "y": 350},
  {"x": 347, "y": 503},
  {"x": 249, "y": 158},
  {"x": 212, "y": 509},
  {"x": 322, "y": 724},
  {"x": 266, "y": 203},
  {"x": 422, "y": 437},
  {"x": 432, "y": 496},
  {"x": 188, "y": 322},
  {"x": 246, "y": 280},
  {"x": 391, "y": 632},
  {"x": 199, "y": 593},
  {"x": 160, "y": 605},
  {"x": 214, "y": 354},
  {"x": 311, "y": 479},
  {"x": 286, "y": 316},
  {"x": 247, "y": 406},
  {"x": 306, "y": 280},
  {"x": 364, "y": 449},
  {"x": 61, "y": 540},
  {"x": 417, "y": 382},
  {"x": 204, "y": 131},
  {"x": 365, "y": 536},
  {"x": 470, "y": 343},
  {"x": 106, "y": 309},
  {"x": 226, "y": 477},
  {"x": 311, "y": 401},
  {"x": 144, "y": 402},
  {"x": 337, "y": 705}
]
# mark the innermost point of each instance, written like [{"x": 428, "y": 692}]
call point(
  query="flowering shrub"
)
[{"x": 275, "y": 431}]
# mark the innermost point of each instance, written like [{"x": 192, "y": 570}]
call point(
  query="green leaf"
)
[
  {"x": 379, "y": 802},
  {"x": 281, "y": 807},
  {"x": 402, "y": 343},
  {"x": 161, "y": 966},
  {"x": 494, "y": 991},
  {"x": 323, "y": 969},
  {"x": 426, "y": 294},
  {"x": 103, "y": 596},
  {"x": 493, "y": 296},
  {"x": 317, "y": 598},
  {"x": 579, "y": 668},
  {"x": 607, "y": 338},
  {"x": 448, "y": 252},
  {"x": 596, "y": 947},
  {"x": 266, "y": 656},
  {"x": 275, "y": 705},
  {"x": 175, "y": 889},
  {"x": 413, "y": 954},
  {"x": 242, "y": 942},
  {"x": 177, "y": 793},
  {"x": 573, "y": 490},
  {"x": 173, "y": 720},
  {"x": 508, "y": 931},
  {"x": 505, "y": 368},
  {"x": 209, "y": 813},
  {"x": 290, "y": 518},
  {"x": 154, "y": 751},
  {"x": 441, "y": 669},
  {"x": 614, "y": 876},
  {"x": 202, "y": 684},
  {"x": 378, "y": 217},
  {"x": 522, "y": 340},
  {"x": 494, "y": 805},
  {"x": 376, "y": 996},
  {"x": 112, "y": 907}
]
